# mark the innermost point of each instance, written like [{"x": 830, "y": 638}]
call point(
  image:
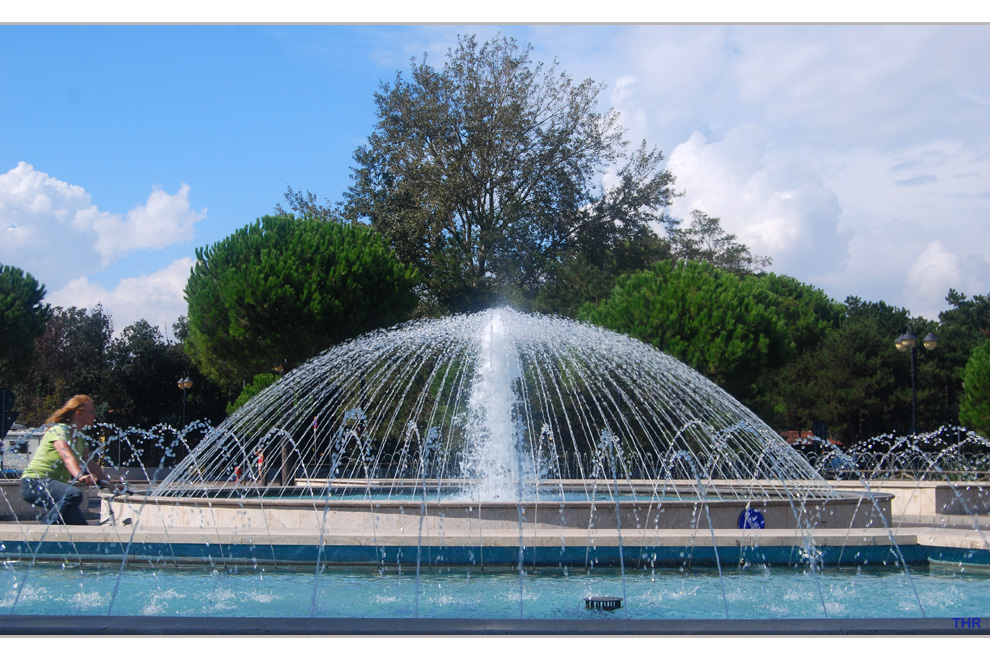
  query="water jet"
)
[{"x": 491, "y": 442}]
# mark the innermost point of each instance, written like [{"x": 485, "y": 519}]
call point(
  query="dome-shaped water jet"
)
[{"x": 502, "y": 408}]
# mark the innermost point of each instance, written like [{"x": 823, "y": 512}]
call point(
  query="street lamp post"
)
[
  {"x": 908, "y": 342},
  {"x": 184, "y": 385}
]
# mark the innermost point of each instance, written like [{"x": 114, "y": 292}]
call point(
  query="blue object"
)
[{"x": 751, "y": 519}]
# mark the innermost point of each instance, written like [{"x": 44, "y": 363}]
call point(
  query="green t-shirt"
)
[{"x": 46, "y": 463}]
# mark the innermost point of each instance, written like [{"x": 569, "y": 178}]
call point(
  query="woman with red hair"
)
[{"x": 61, "y": 462}]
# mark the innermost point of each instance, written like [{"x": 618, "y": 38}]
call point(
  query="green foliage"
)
[
  {"x": 791, "y": 353},
  {"x": 260, "y": 382},
  {"x": 808, "y": 316},
  {"x": 143, "y": 375},
  {"x": 705, "y": 240},
  {"x": 483, "y": 174},
  {"x": 572, "y": 284},
  {"x": 588, "y": 273},
  {"x": 962, "y": 327},
  {"x": 725, "y": 326},
  {"x": 142, "y": 383},
  {"x": 305, "y": 205},
  {"x": 857, "y": 380},
  {"x": 585, "y": 277},
  {"x": 71, "y": 359},
  {"x": 974, "y": 409},
  {"x": 22, "y": 320},
  {"x": 807, "y": 311},
  {"x": 283, "y": 289},
  {"x": 131, "y": 378}
]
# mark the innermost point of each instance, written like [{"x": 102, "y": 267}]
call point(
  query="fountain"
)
[
  {"x": 496, "y": 421},
  {"x": 491, "y": 442}
]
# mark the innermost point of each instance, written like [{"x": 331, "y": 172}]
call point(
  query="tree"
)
[
  {"x": 205, "y": 400},
  {"x": 808, "y": 313},
  {"x": 304, "y": 205},
  {"x": 974, "y": 409},
  {"x": 71, "y": 359},
  {"x": 484, "y": 174},
  {"x": 581, "y": 278},
  {"x": 132, "y": 378},
  {"x": 705, "y": 240},
  {"x": 260, "y": 383},
  {"x": 857, "y": 381},
  {"x": 962, "y": 327},
  {"x": 144, "y": 371},
  {"x": 283, "y": 289},
  {"x": 23, "y": 317},
  {"x": 785, "y": 400},
  {"x": 725, "y": 326}
]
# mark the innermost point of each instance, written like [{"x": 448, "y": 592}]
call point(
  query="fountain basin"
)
[
  {"x": 927, "y": 501},
  {"x": 393, "y": 507},
  {"x": 405, "y": 549}
]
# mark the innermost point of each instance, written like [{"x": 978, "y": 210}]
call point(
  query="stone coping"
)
[
  {"x": 923, "y": 536},
  {"x": 964, "y": 521}
]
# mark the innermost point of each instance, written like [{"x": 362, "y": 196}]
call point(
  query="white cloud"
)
[
  {"x": 772, "y": 202},
  {"x": 903, "y": 226},
  {"x": 930, "y": 276},
  {"x": 935, "y": 271},
  {"x": 842, "y": 152},
  {"x": 163, "y": 220},
  {"x": 919, "y": 219},
  {"x": 53, "y": 230},
  {"x": 157, "y": 298},
  {"x": 35, "y": 208}
]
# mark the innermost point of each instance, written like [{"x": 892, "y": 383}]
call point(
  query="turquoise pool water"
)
[{"x": 752, "y": 592}]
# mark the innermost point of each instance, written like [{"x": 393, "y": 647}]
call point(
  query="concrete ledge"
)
[
  {"x": 124, "y": 535},
  {"x": 928, "y": 498},
  {"x": 12, "y": 507},
  {"x": 969, "y": 539},
  {"x": 252, "y": 626},
  {"x": 446, "y": 517},
  {"x": 286, "y": 548}
]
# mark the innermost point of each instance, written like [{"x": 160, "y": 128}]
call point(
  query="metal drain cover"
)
[{"x": 603, "y": 602}]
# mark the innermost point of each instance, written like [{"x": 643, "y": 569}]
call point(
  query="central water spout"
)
[{"x": 494, "y": 459}]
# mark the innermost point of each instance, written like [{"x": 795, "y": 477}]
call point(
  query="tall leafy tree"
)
[
  {"x": 23, "y": 316},
  {"x": 71, "y": 359},
  {"x": 786, "y": 398},
  {"x": 857, "y": 381},
  {"x": 581, "y": 278},
  {"x": 961, "y": 328},
  {"x": 725, "y": 326},
  {"x": 306, "y": 204},
  {"x": 808, "y": 313},
  {"x": 974, "y": 409},
  {"x": 283, "y": 289},
  {"x": 144, "y": 371},
  {"x": 705, "y": 240},
  {"x": 484, "y": 174},
  {"x": 204, "y": 400},
  {"x": 607, "y": 250}
]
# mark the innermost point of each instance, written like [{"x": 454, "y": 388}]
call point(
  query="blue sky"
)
[{"x": 856, "y": 156}]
